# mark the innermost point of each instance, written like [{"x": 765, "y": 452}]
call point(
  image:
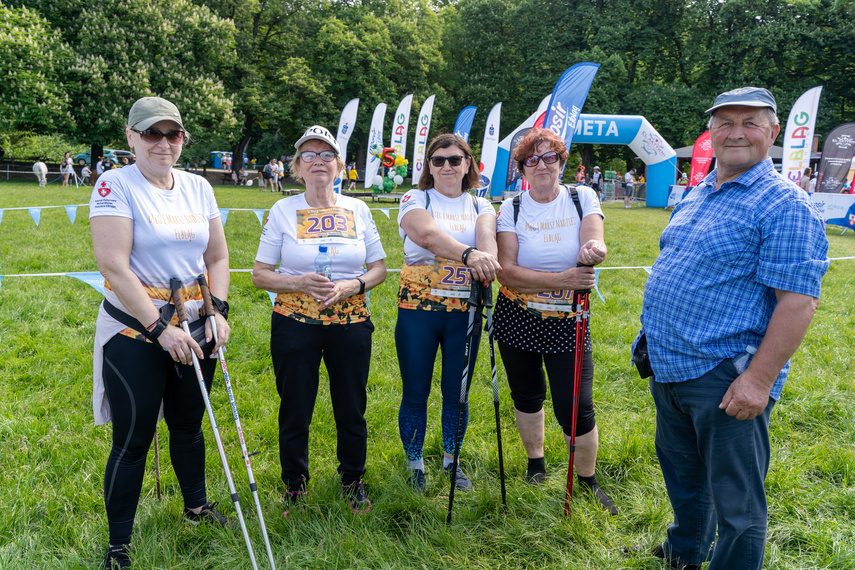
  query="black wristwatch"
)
[{"x": 361, "y": 285}]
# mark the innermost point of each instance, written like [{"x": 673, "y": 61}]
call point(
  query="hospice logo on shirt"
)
[{"x": 104, "y": 189}]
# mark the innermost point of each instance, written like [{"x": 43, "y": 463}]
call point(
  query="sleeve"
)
[
  {"x": 210, "y": 200},
  {"x": 505, "y": 217},
  {"x": 270, "y": 244},
  {"x": 110, "y": 198},
  {"x": 589, "y": 201},
  {"x": 414, "y": 199},
  {"x": 794, "y": 249},
  {"x": 483, "y": 207},
  {"x": 373, "y": 248}
]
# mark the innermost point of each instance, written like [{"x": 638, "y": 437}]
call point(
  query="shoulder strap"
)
[
  {"x": 427, "y": 200},
  {"x": 576, "y": 202},
  {"x": 516, "y": 204}
]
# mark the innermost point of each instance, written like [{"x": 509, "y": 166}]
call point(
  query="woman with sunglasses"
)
[
  {"x": 151, "y": 223},
  {"x": 449, "y": 239},
  {"x": 541, "y": 237},
  {"x": 320, "y": 317}
]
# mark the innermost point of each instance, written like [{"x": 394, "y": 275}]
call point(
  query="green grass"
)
[{"x": 52, "y": 456}]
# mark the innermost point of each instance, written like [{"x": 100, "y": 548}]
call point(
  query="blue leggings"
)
[{"x": 418, "y": 334}]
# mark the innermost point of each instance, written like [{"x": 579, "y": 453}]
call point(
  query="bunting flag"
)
[
  {"x": 463, "y": 124},
  {"x": 648, "y": 269},
  {"x": 836, "y": 160},
  {"x": 345, "y": 129},
  {"x": 422, "y": 130},
  {"x": 1, "y": 277},
  {"x": 702, "y": 153},
  {"x": 91, "y": 278},
  {"x": 375, "y": 138},
  {"x": 1, "y": 216},
  {"x": 798, "y": 138},
  {"x": 224, "y": 214},
  {"x": 260, "y": 215},
  {"x": 272, "y": 298},
  {"x": 36, "y": 214},
  {"x": 597, "y": 283},
  {"x": 489, "y": 149},
  {"x": 385, "y": 211},
  {"x": 72, "y": 213}
]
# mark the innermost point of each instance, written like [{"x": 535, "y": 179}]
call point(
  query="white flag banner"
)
[
  {"x": 400, "y": 125},
  {"x": 489, "y": 149},
  {"x": 798, "y": 137},
  {"x": 375, "y": 137},
  {"x": 422, "y": 131},
  {"x": 345, "y": 128}
]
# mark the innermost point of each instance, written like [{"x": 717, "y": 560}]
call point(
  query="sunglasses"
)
[
  {"x": 308, "y": 156},
  {"x": 548, "y": 158},
  {"x": 153, "y": 136},
  {"x": 438, "y": 161}
]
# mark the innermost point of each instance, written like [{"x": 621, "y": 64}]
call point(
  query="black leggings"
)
[
  {"x": 528, "y": 385},
  {"x": 137, "y": 376}
]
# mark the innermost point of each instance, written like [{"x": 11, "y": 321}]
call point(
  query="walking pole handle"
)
[
  {"x": 582, "y": 291},
  {"x": 206, "y": 295},
  {"x": 175, "y": 285}
]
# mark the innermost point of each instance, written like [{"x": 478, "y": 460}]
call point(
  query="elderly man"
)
[{"x": 726, "y": 304}]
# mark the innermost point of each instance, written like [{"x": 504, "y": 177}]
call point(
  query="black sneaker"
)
[
  {"x": 117, "y": 557},
  {"x": 417, "y": 480},
  {"x": 605, "y": 501},
  {"x": 295, "y": 501},
  {"x": 534, "y": 477},
  {"x": 209, "y": 514},
  {"x": 462, "y": 482},
  {"x": 359, "y": 502}
]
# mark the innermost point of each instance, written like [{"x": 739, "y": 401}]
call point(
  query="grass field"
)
[{"x": 52, "y": 456}]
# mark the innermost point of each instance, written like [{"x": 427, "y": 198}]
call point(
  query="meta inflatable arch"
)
[{"x": 640, "y": 136}]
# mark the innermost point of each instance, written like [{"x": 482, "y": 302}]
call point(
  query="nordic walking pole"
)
[
  {"x": 581, "y": 298},
  {"x": 488, "y": 305},
  {"x": 474, "y": 307},
  {"x": 157, "y": 462},
  {"x": 209, "y": 313},
  {"x": 175, "y": 285}
]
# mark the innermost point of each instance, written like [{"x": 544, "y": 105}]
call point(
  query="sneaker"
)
[
  {"x": 535, "y": 478},
  {"x": 295, "y": 502},
  {"x": 605, "y": 501},
  {"x": 209, "y": 514},
  {"x": 359, "y": 502},
  {"x": 659, "y": 552},
  {"x": 462, "y": 481},
  {"x": 117, "y": 557},
  {"x": 416, "y": 480}
]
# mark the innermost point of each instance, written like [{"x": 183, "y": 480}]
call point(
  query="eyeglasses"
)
[
  {"x": 308, "y": 156},
  {"x": 153, "y": 136},
  {"x": 438, "y": 161},
  {"x": 548, "y": 158}
]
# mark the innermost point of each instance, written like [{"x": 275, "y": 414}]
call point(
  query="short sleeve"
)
[
  {"x": 483, "y": 206},
  {"x": 110, "y": 198},
  {"x": 414, "y": 199},
  {"x": 270, "y": 245},
  {"x": 373, "y": 247},
  {"x": 589, "y": 201},
  {"x": 505, "y": 217}
]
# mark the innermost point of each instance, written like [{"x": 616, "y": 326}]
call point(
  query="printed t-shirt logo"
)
[
  {"x": 406, "y": 199},
  {"x": 104, "y": 189}
]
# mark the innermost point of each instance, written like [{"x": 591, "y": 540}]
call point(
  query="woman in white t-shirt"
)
[
  {"x": 541, "y": 238},
  {"x": 321, "y": 315},
  {"x": 449, "y": 235},
  {"x": 151, "y": 224},
  {"x": 66, "y": 168}
]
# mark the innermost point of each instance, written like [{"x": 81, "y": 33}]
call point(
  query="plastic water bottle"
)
[{"x": 323, "y": 263}]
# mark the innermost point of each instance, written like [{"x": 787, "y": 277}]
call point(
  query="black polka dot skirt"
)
[{"x": 523, "y": 330}]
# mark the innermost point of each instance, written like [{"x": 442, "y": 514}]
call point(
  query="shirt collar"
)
[{"x": 746, "y": 179}]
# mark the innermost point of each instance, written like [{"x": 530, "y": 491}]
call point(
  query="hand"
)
[
  {"x": 746, "y": 398},
  {"x": 179, "y": 344},
  {"x": 482, "y": 266},
  {"x": 579, "y": 278},
  {"x": 592, "y": 253},
  {"x": 223, "y": 332},
  {"x": 315, "y": 285},
  {"x": 341, "y": 290}
]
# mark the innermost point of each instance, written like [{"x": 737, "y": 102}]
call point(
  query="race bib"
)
[
  {"x": 560, "y": 301},
  {"x": 325, "y": 225},
  {"x": 449, "y": 279}
]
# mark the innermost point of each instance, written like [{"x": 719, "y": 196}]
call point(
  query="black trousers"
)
[
  {"x": 137, "y": 375},
  {"x": 297, "y": 349}
]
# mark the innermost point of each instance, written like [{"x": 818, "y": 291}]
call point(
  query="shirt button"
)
[
  {"x": 678, "y": 249},
  {"x": 709, "y": 197},
  {"x": 694, "y": 221}
]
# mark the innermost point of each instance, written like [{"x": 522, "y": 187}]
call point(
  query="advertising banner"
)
[
  {"x": 702, "y": 154},
  {"x": 837, "y": 209},
  {"x": 422, "y": 131},
  {"x": 568, "y": 98},
  {"x": 345, "y": 129},
  {"x": 798, "y": 137},
  {"x": 836, "y": 160},
  {"x": 463, "y": 124},
  {"x": 488, "y": 149},
  {"x": 375, "y": 137},
  {"x": 400, "y": 125}
]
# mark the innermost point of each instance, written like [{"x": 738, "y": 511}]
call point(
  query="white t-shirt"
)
[
  {"x": 429, "y": 282},
  {"x": 170, "y": 226},
  {"x": 629, "y": 179}
]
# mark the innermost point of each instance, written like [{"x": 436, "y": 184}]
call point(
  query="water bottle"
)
[{"x": 323, "y": 263}]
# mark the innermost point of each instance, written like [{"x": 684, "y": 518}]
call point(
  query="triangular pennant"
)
[
  {"x": 260, "y": 215},
  {"x": 1, "y": 216},
  {"x": 385, "y": 211},
  {"x": 91, "y": 278},
  {"x": 224, "y": 214},
  {"x": 72, "y": 213},
  {"x": 596, "y": 284},
  {"x": 36, "y": 213},
  {"x": 272, "y": 297},
  {"x": 648, "y": 269},
  {"x": 1, "y": 277}
]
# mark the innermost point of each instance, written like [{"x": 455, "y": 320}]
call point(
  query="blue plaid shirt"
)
[{"x": 711, "y": 292}]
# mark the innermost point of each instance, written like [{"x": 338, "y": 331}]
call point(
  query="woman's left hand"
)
[
  {"x": 592, "y": 253},
  {"x": 342, "y": 289},
  {"x": 223, "y": 332}
]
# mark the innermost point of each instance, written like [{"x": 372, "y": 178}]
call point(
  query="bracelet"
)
[
  {"x": 361, "y": 285},
  {"x": 465, "y": 256}
]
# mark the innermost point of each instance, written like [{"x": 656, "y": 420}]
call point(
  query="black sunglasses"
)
[
  {"x": 548, "y": 158},
  {"x": 153, "y": 136},
  {"x": 438, "y": 161}
]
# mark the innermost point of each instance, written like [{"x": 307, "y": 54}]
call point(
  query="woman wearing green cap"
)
[{"x": 151, "y": 223}]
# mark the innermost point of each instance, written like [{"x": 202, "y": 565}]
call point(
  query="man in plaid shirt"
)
[{"x": 726, "y": 304}]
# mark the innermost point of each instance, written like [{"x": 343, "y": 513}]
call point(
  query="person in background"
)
[
  {"x": 317, "y": 317},
  {"x": 351, "y": 175},
  {"x": 141, "y": 361},
  {"x": 629, "y": 185},
  {"x": 804, "y": 183},
  {"x": 542, "y": 237},
  {"x": 281, "y": 168},
  {"x": 449, "y": 246},
  {"x": 726, "y": 304},
  {"x": 596, "y": 182},
  {"x": 66, "y": 169},
  {"x": 812, "y": 185},
  {"x": 86, "y": 174}
]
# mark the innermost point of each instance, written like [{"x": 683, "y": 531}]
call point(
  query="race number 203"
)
[{"x": 323, "y": 225}]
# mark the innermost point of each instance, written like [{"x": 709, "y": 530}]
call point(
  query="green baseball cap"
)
[{"x": 150, "y": 110}]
